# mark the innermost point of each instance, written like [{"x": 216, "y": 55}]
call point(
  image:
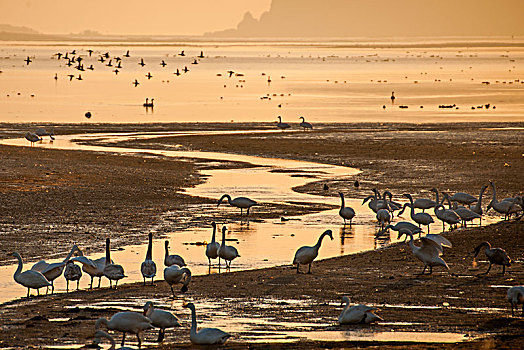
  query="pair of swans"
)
[
  {"x": 430, "y": 250},
  {"x": 357, "y": 313},
  {"x": 54, "y": 270},
  {"x": 239, "y": 202},
  {"x": 305, "y": 255},
  {"x": 497, "y": 256}
]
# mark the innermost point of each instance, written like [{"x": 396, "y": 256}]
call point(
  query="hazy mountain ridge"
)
[{"x": 383, "y": 18}]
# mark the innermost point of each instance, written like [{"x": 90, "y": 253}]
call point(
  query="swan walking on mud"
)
[
  {"x": 430, "y": 250},
  {"x": 160, "y": 319},
  {"x": 101, "y": 334},
  {"x": 174, "y": 274},
  {"x": 239, "y": 202},
  {"x": 497, "y": 256},
  {"x": 227, "y": 252},
  {"x": 205, "y": 336},
  {"x": 305, "y": 255},
  {"x": 148, "y": 267},
  {"x": 357, "y": 313},
  {"x": 126, "y": 322},
  {"x": 516, "y": 297},
  {"x": 30, "y": 279},
  {"x": 213, "y": 247},
  {"x": 346, "y": 213}
]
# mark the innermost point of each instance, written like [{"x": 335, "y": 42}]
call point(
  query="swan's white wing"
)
[
  {"x": 40, "y": 266},
  {"x": 213, "y": 335},
  {"x": 85, "y": 261},
  {"x": 429, "y": 246},
  {"x": 440, "y": 240}
]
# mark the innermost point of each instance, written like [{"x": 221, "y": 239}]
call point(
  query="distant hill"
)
[
  {"x": 383, "y": 18},
  {"x": 7, "y": 28}
]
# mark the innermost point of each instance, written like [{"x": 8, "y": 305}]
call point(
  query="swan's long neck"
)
[
  {"x": 223, "y": 237},
  {"x": 101, "y": 321},
  {"x": 345, "y": 300},
  {"x": 228, "y": 197},
  {"x": 411, "y": 205},
  {"x": 167, "y": 250},
  {"x": 108, "y": 253},
  {"x": 70, "y": 254},
  {"x": 188, "y": 276},
  {"x": 411, "y": 244},
  {"x": 149, "y": 254},
  {"x": 436, "y": 197},
  {"x": 193, "y": 320},
  {"x": 319, "y": 242},
  {"x": 448, "y": 200},
  {"x": 214, "y": 232},
  {"x": 20, "y": 265},
  {"x": 343, "y": 202},
  {"x": 478, "y": 205},
  {"x": 494, "y": 198}
]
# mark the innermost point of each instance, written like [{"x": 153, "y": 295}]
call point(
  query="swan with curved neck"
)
[
  {"x": 174, "y": 274},
  {"x": 239, "y": 202},
  {"x": 477, "y": 208},
  {"x": 113, "y": 272},
  {"x": 305, "y": 255},
  {"x": 213, "y": 247},
  {"x": 174, "y": 259},
  {"x": 148, "y": 267},
  {"x": 420, "y": 218},
  {"x": 305, "y": 125},
  {"x": 54, "y": 270},
  {"x": 346, "y": 213},
  {"x": 497, "y": 256},
  {"x": 357, "y": 313},
  {"x": 282, "y": 126},
  {"x": 464, "y": 213},
  {"x": 205, "y": 336},
  {"x": 445, "y": 215},
  {"x": 160, "y": 319},
  {"x": 503, "y": 207},
  {"x": 227, "y": 252},
  {"x": 126, "y": 322},
  {"x": 30, "y": 279}
]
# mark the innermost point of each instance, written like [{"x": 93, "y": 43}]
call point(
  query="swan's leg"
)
[
  {"x": 161, "y": 335},
  {"x": 139, "y": 340},
  {"x": 67, "y": 286},
  {"x": 116, "y": 284},
  {"x": 309, "y": 270},
  {"x": 38, "y": 291},
  {"x": 512, "y": 312},
  {"x": 99, "y": 281},
  {"x": 152, "y": 281},
  {"x": 503, "y": 269},
  {"x": 297, "y": 268},
  {"x": 523, "y": 309},
  {"x": 52, "y": 287},
  {"x": 489, "y": 268},
  {"x": 28, "y": 293},
  {"x": 430, "y": 269},
  {"x": 247, "y": 213},
  {"x": 424, "y": 270},
  {"x": 77, "y": 283},
  {"x": 172, "y": 291},
  {"x": 241, "y": 211},
  {"x": 144, "y": 280},
  {"x": 123, "y": 338},
  {"x": 91, "y": 286}
]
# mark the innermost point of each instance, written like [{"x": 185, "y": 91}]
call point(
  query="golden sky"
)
[{"x": 170, "y": 17}]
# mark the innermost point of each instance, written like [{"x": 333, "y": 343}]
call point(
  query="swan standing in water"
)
[
  {"x": 126, "y": 322},
  {"x": 445, "y": 215},
  {"x": 54, "y": 270},
  {"x": 213, "y": 247},
  {"x": 112, "y": 271},
  {"x": 72, "y": 272},
  {"x": 516, "y": 297},
  {"x": 170, "y": 260},
  {"x": 346, "y": 213},
  {"x": 101, "y": 334},
  {"x": 477, "y": 208},
  {"x": 282, "y": 126},
  {"x": 239, "y": 202},
  {"x": 357, "y": 313},
  {"x": 305, "y": 255},
  {"x": 30, "y": 279},
  {"x": 420, "y": 218},
  {"x": 497, "y": 256},
  {"x": 29, "y": 136},
  {"x": 305, "y": 125},
  {"x": 41, "y": 132},
  {"x": 174, "y": 274},
  {"x": 148, "y": 267},
  {"x": 205, "y": 336},
  {"x": 464, "y": 213},
  {"x": 160, "y": 319},
  {"x": 226, "y": 252},
  {"x": 430, "y": 250}
]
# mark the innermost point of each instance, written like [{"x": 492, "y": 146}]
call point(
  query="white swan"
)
[
  {"x": 516, "y": 297},
  {"x": 346, "y": 213},
  {"x": 227, "y": 252},
  {"x": 101, "y": 334},
  {"x": 305, "y": 125},
  {"x": 430, "y": 250},
  {"x": 126, "y": 322},
  {"x": 113, "y": 272},
  {"x": 357, "y": 313},
  {"x": 497, "y": 256},
  {"x": 72, "y": 272},
  {"x": 305, "y": 255},
  {"x": 463, "y": 198},
  {"x": 148, "y": 267},
  {"x": 477, "y": 208},
  {"x": 239, "y": 202},
  {"x": 502, "y": 207},
  {"x": 445, "y": 215},
  {"x": 213, "y": 247},
  {"x": 174, "y": 274},
  {"x": 170, "y": 260},
  {"x": 420, "y": 218},
  {"x": 30, "y": 279},
  {"x": 205, "y": 336},
  {"x": 282, "y": 126},
  {"x": 383, "y": 217},
  {"x": 54, "y": 270},
  {"x": 160, "y": 319},
  {"x": 31, "y": 137}
]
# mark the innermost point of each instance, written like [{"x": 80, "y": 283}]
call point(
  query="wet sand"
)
[{"x": 134, "y": 196}]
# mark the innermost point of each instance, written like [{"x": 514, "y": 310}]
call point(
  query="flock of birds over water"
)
[{"x": 462, "y": 209}]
